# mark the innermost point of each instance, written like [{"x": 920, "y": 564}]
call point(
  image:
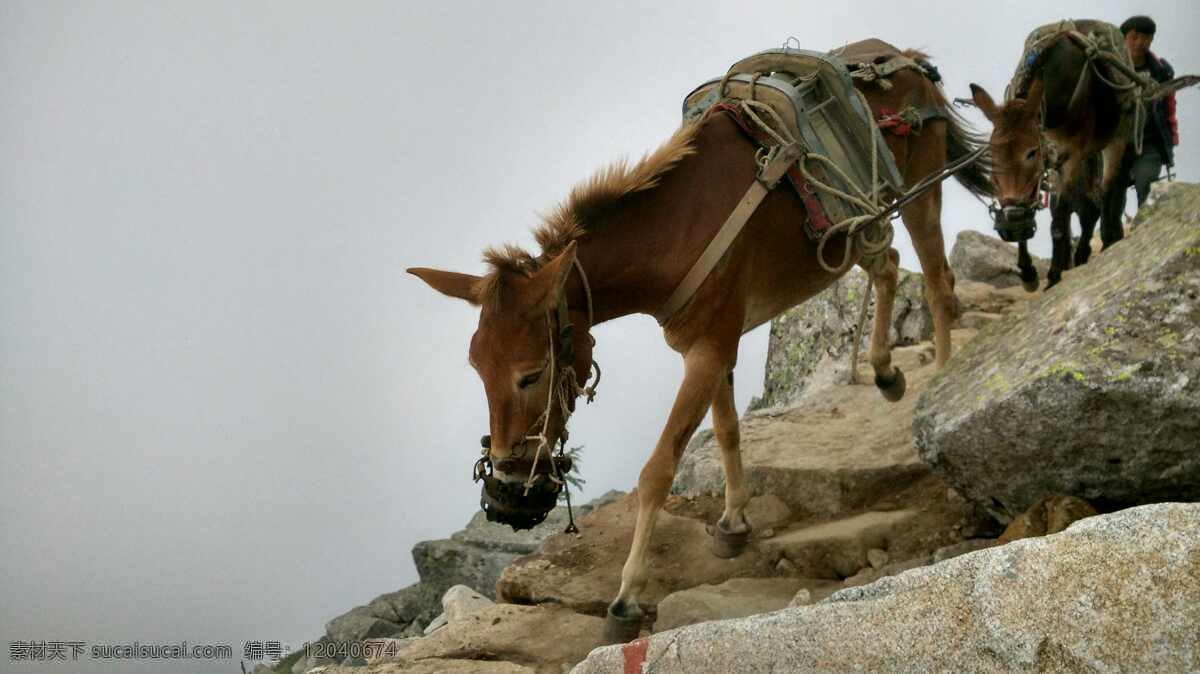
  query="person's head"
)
[{"x": 1139, "y": 33}]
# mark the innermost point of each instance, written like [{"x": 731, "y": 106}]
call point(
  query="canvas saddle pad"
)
[{"x": 814, "y": 96}]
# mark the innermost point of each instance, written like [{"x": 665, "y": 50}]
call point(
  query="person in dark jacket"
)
[{"x": 1161, "y": 130}]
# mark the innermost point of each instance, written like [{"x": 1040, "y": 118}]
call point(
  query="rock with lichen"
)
[
  {"x": 810, "y": 343},
  {"x": 1092, "y": 390}
]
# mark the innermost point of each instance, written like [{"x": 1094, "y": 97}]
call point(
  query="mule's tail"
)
[{"x": 961, "y": 138}]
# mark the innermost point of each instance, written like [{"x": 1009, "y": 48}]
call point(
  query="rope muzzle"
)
[{"x": 505, "y": 497}]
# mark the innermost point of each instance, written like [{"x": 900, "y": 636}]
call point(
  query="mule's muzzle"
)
[
  {"x": 508, "y": 496},
  {"x": 1016, "y": 223}
]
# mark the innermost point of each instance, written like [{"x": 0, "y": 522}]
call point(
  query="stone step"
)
[
  {"x": 736, "y": 598},
  {"x": 837, "y": 549},
  {"x": 841, "y": 450},
  {"x": 976, "y": 320},
  {"x": 583, "y": 571}
]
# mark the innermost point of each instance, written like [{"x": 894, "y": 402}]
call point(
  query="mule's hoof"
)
[
  {"x": 1029, "y": 280},
  {"x": 892, "y": 390},
  {"x": 621, "y": 630},
  {"x": 729, "y": 544}
]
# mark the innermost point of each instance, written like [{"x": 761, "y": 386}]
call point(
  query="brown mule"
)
[
  {"x": 1072, "y": 89},
  {"x": 619, "y": 245}
]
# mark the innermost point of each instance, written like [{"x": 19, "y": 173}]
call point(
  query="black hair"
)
[{"x": 1142, "y": 24}]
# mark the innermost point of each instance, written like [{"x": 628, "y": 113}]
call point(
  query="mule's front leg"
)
[
  {"x": 1060, "y": 238},
  {"x": 1029, "y": 275},
  {"x": 733, "y": 531},
  {"x": 703, "y": 371},
  {"x": 884, "y": 274}
]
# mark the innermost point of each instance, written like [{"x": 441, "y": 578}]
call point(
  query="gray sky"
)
[{"x": 226, "y": 413}]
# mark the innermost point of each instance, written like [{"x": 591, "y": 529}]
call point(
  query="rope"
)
[
  {"x": 855, "y": 226},
  {"x": 545, "y": 418},
  {"x": 1144, "y": 85},
  {"x": 862, "y": 319},
  {"x": 783, "y": 136},
  {"x": 1099, "y": 48},
  {"x": 566, "y": 383},
  {"x": 587, "y": 291}
]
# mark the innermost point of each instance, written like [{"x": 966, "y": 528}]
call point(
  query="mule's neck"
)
[
  {"x": 616, "y": 284},
  {"x": 640, "y": 248}
]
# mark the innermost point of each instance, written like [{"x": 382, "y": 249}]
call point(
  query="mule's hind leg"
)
[
  {"x": 1029, "y": 275},
  {"x": 733, "y": 531},
  {"x": 704, "y": 367},
  {"x": 1114, "y": 186},
  {"x": 923, "y": 219},
  {"x": 884, "y": 272}
]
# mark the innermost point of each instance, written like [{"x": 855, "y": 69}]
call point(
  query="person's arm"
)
[{"x": 1168, "y": 74}]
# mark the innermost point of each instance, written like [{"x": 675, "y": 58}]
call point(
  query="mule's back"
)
[
  {"x": 811, "y": 95},
  {"x": 1105, "y": 36}
]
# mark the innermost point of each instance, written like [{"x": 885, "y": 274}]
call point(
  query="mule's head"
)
[
  {"x": 523, "y": 342},
  {"x": 1017, "y": 158}
]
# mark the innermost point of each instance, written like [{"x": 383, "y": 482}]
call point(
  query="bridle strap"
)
[{"x": 562, "y": 349}]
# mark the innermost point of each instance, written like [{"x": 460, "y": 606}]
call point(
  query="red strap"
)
[{"x": 893, "y": 123}]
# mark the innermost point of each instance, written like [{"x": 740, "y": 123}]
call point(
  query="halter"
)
[
  {"x": 1042, "y": 188},
  {"x": 526, "y": 504}
]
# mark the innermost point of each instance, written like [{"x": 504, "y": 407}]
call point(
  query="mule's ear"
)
[
  {"x": 1033, "y": 99},
  {"x": 449, "y": 283},
  {"x": 983, "y": 101},
  {"x": 547, "y": 283}
]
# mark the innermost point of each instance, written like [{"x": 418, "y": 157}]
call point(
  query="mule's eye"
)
[
  {"x": 530, "y": 379},
  {"x": 1031, "y": 154}
]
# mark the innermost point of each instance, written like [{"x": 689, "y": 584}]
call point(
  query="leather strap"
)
[{"x": 766, "y": 180}]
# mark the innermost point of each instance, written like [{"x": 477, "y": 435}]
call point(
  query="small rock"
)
[
  {"x": 461, "y": 601},
  {"x": 803, "y": 598},
  {"x": 437, "y": 623},
  {"x": 767, "y": 512},
  {"x": 1048, "y": 516},
  {"x": 360, "y": 623},
  {"x": 980, "y": 257},
  {"x": 785, "y": 566},
  {"x": 877, "y": 558},
  {"x": 767, "y": 533},
  {"x": 870, "y": 575},
  {"x": 969, "y": 545},
  {"x": 976, "y": 320}
]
